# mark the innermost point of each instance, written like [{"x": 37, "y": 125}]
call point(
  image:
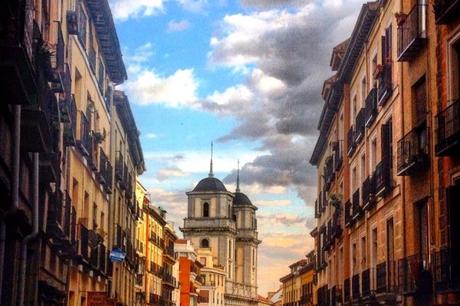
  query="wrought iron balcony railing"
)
[
  {"x": 366, "y": 283},
  {"x": 382, "y": 178},
  {"x": 346, "y": 290},
  {"x": 413, "y": 151},
  {"x": 414, "y": 274},
  {"x": 381, "y": 277},
  {"x": 371, "y": 107},
  {"x": 446, "y": 269},
  {"x": 446, "y": 10},
  {"x": 85, "y": 141},
  {"x": 368, "y": 192},
  {"x": 412, "y": 32},
  {"x": 105, "y": 171},
  {"x": 448, "y": 130},
  {"x": 355, "y": 287}
]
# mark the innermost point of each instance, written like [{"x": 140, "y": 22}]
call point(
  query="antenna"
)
[
  {"x": 211, "y": 173},
  {"x": 238, "y": 177}
]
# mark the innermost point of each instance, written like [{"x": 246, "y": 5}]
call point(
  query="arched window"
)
[
  {"x": 206, "y": 209},
  {"x": 205, "y": 243}
]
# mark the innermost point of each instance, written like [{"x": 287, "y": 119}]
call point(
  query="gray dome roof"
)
[
  {"x": 241, "y": 199},
  {"x": 210, "y": 184}
]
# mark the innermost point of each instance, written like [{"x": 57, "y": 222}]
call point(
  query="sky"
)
[{"x": 247, "y": 75}]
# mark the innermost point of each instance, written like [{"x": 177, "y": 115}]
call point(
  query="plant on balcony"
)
[{"x": 335, "y": 200}]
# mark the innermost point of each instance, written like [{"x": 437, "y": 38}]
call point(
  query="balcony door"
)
[
  {"x": 453, "y": 196},
  {"x": 390, "y": 253}
]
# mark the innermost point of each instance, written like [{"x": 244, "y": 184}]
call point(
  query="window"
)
[
  {"x": 419, "y": 102},
  {"x": 363, "y": 253},
  {"x": 82, "y": 25},
  {"x": 363, "y": 167},
  {"x": 373, "y": 157},
  {"x": 421, "y": 219},
  {"x": 390, "y": 250},
  {"x": 353, "y": 258},
  {"x": 354, "y": 182},
  {"x": 205, "y": 243},
  {"x": 363, "y": 90},
  {"x": 454, "y": 72},
  {"x": 206, "y": 209},
  {"x": 354, "y": 109}
]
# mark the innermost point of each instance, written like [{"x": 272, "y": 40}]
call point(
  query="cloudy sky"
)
[{"x": 247, "y": 75}]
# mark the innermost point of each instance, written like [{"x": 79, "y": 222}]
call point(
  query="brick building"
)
[{"x": 386, "y": 159}]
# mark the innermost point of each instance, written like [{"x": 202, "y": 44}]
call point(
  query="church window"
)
[
  {"x": 206, "y": 209},
  {"x": 205, "y": 243}
]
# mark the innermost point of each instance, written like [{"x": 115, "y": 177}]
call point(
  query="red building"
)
[{"x": 189, "y": 272}]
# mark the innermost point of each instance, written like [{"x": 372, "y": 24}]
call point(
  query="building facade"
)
[
  {"x": 385, "y": 184},
  {"x": 298, "y": 286},
  {"x": 212, "y": 289},
  {"x": 170, "y": 286},
  {"x": 226, "y": 223},
  {"x": 189, "y": 272},
  {"x": 142, "y": 200}
]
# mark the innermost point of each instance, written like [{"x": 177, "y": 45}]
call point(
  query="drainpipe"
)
[
  {"x": 14, "y": 188},
  {"x": 34, "y": 233}
]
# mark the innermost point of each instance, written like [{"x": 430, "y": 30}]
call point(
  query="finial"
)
[
  {"x": 211, "y": 173},
  {"x": 238, "y": 177}
]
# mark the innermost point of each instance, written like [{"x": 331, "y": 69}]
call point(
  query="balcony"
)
[
  {"x": 413, "y": 151},
  {"x": 412, "y": 32},
  {"x": 448, "y": 130},
  {"x": 346, "y": 290},
  {"x": 351, "y": 141},
  {"x": 119, "y": 170},
  {"x": 69, "y": 118},
  {"x": 360, "y": 125},
  {"x": 105, "y": 172},
  {"x": 446, "y": 269},
  {"x": 366, "y": 283},
  {"x": 414, "y": 275},
  {"x": 328, "y": 172},
  {"x": 83, "y": 243},
  {"x": 385, "y": 86},
  {"x": 371, "y": 107},
  {"x": 355, "y": 287},
  {"x": 337, "y": 155},
  {"x": 357, "y": 209},
  {"x": 84, "y": 143},
  {"x": 54, "y": 226},
  {"x": 368, "y": 192},
  {"x": 382, "y": 178},
  {"x": 446, "y": 10}
]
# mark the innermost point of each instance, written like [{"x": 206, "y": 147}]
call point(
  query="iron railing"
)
[
  {"x": 412, "y": 32},
  {"x": 413, "y": 150},
  {"x": 385, "y": 86},
  {"x": 360, "y": 126},
  {"x": 368, "y": 192},
  {"x": 351, "y": 141},
  {"x": 382, "y": 177},
  {"x": 355, "y": 287},
  {"x": 414, "y": 274},
  {"x": 448, "y": 130},
  {"x": 366, "y": 283},
  {"x": 446, "y": 269},
  {"x": 446, "y": 10}
]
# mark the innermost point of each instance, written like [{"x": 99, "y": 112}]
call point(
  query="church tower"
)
[
  {"x": 247, "y": 238},
  {"x": 210, "y": 222},
  {"x": 225, "y": 222}
]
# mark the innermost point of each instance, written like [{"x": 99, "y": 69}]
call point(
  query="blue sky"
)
[{"x": 247, "y": 75}]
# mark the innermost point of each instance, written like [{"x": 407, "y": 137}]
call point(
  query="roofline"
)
[{"x": 361, "y": 32}]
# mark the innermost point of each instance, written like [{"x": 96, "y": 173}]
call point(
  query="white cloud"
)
[
  {"x": 151, "y": 136},
  {"x": 177, "y": 26},
  {"x": 272, "y": 203},
  {"x": 176, "y": 90},
  {"x": 195, "y": 6},
  {"x": 124, "y": 9},
  {"x": 231, "y": 94},
  {"x": 169, "y": 172}
]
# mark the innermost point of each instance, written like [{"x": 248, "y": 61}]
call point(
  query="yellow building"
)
[
  {"x": 154, "y": 259},
  {"x": 89, "y": 169},
  {"x": 212, "y": 290},
  {"x": 142, "y": 200},
  {"x": 128, "y": 160},
  {"x": 298, "y": 285}
]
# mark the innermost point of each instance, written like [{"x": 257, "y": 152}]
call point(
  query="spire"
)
[
  {"x": 211, "y": 173},
  {"x": 238, "y": 177}
]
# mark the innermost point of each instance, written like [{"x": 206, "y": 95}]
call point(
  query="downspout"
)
[
  {"x": 34, "y": 234},
  {"x": 14, "y": 188},
  {"x": 403, "y": 178}
]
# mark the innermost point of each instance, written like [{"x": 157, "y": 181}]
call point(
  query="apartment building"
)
[
  {"x": 298, "y": 286},
  {"x": 156, "y": 222},
  {"x": 170, "y": 285},
  {"x": 128, "y": 160},
  {"x": 384, "y": 190},
  {"x": 212, "y": 289},
  {"x": 142, "y": 200},
  {"x": 189, "y": 272}
]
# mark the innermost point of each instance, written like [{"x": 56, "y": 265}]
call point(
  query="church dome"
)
[
  {"x": 210, "y": 184},
  {"x": 241, "y": 199}
]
